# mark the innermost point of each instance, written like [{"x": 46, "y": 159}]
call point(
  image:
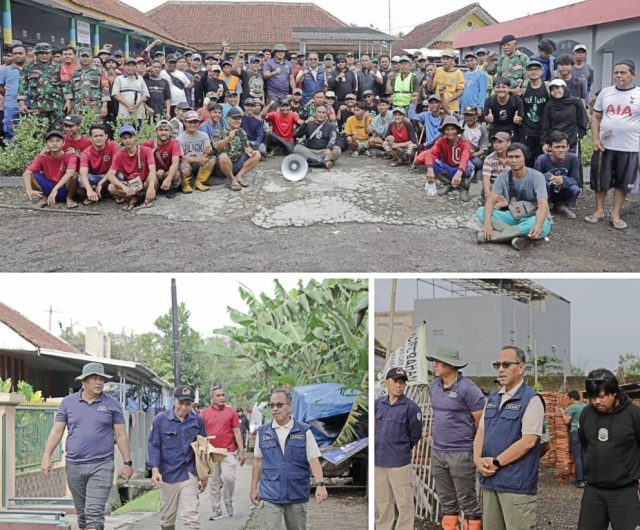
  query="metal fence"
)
[{"x": 33, "y": 425}]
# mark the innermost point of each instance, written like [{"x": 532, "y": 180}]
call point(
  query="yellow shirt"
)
[
  {"x": 453, "y": 81},
  {"x": 356, "y": 127}
]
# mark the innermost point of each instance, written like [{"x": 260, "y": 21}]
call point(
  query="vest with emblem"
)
[
  {"x": 402, "y": 90},
  {"x": 284, "y": 478},
  {"x": 502, "y": 427}
]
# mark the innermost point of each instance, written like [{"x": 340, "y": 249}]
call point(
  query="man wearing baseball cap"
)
[
  {"x": 131, "y": 92},
  {"x": 41, "y": 81},
  {"x": 342, "y": 81},
  {"x": 401, "y": 85},
  {"x": 582, "y": 70},
  {"x": 398, "y": 430},
  {"x": 74, "y": 142},
  {"x": 457, "y": 405},
  {"x": 252, "y": 82},
  {"x": 50, "y": 177},
  {"x": 475, "y": 84},
  {"x": 173, "y": 461},
  {"x": 451, "y": 78},
  {"x": 197, "y": 160},
  {"x": 92, "y": 419},
  {"x": 167, "y": 153},
  {"x": 494, "y": 164}
]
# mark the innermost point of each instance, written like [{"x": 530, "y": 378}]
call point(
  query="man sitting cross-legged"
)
[
  {"x": 495, "y": 164},
  {"x": 526, "y": 191},
  {"x": 400, "y": 138},
  {"x": 319, "y": 140},
  {"x": 132, "y": 176},
  {"x": 51, "y": 176},
  {"x": 235, "y": 156},
  {"x": 95, "y": 163},
  {"x": 562, "y": 171},
  {"x": 450, "y": 159},
  {"x": 167, "y": 153},
  {"x": 356, "y": 129}
]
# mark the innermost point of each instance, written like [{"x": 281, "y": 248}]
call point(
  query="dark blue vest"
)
[
  {"x": 310, "y": 86},
  {"x": 284, "y": 478},
  {"x": 502, "y": 427}
]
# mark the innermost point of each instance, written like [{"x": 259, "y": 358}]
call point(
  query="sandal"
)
[
  {"x": 87, "y": 202},
  {"x": 233, "y": 187},
  {"x": 593, "y": 219},
  {"x": 71, "y": 205},
  {"x": 243, "y": 183},
  {"x": 395, "y": 164},
  {"x": 355, "y": 154},
  {"x": 568, "y": 213},
  {"x": 149, "y": 204},
  {"x": 129, "y": 206},
  {"x": 619, "y": 224},
  {"x": 120, "y": 200}
]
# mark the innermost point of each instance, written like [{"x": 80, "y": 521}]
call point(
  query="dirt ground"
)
[
  {"x": 361, "y": 217},
  {"x": 558, "y": 506},
  {"x": 343, "y": 510}
]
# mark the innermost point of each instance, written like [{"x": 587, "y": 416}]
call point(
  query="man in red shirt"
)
[
  {"x": 400, "y": 141},
  {"x": 50, "y": 176},
  {"x": 167, "y": 153},
  {"x": 282, "y": 122},
  {"x": 73, "y": 140},
  {"x": 95, "y": 162},
  {"x": 223, "y": 431},
  {"x": 133, "y": 173},
  {"x": 450, "y": 158},
  {"x": 69, "y": 63}
]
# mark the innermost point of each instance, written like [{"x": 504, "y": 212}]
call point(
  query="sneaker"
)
[
  {"x": 520, "y": 243},
  {"x": 217, "y": 514},
  {"x": 230, "y": 510},
  {"x": 580, "y": 483},
  {"x": 480, "y": 237},
  {"x": 368, "y": 153}
]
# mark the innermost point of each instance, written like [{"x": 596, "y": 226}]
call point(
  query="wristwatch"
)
[
  {"x": 497, "y": 463},
  {"x": 128, "y": 463},
  {"x": 321, "y": 483}
]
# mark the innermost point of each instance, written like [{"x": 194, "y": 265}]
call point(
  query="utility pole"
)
[
  {"x": 392, "y": 313},
  {"x": 51, "y": 312},
  {"x": 176, "y": 332}
]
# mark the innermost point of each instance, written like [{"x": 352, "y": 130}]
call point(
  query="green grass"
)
[{"x": 147, "y": 502}]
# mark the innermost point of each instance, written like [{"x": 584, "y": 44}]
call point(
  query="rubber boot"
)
[
  {"x": 186, "y": 185},
  {"x": 170, "y": 527},
  {"x": 464, "y": 190},
  {"x": 203, "y": 176},
  {"x": 449, "y": 522},
  {"x": 472, "y": 524}
]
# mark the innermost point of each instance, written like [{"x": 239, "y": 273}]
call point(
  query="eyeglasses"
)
[
  {"x": 313, "y": 59},
  {"x": 276, "y": 405},
  {"x": 504, "y": 364}
]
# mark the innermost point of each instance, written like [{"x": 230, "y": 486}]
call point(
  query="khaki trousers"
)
[
  {"x": 508, "y": 511},
  {"x": 223, "y": 481},
  {"x": 182, "y": 495},
  {"x": 295, "y": 515},
  {"x": 394, "y": 485}
]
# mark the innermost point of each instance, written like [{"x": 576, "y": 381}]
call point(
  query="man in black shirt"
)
[
  {"x": 535, "y": 95},
  {"x": 503, "y": 111},
  {"x": 296, "y": 100},
  {"x": 213, "y": 83},
  {"x": 159, "y": 103},
  {"x": 199, "y": 73},
  {"x": 319, "y": 140},
  {"x": 342, "y": 80},
  {"x": 252, "y": 82}
]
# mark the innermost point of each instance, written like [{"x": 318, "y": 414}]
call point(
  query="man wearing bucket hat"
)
[
  {"x": 398, "y": 430},
  {"x": 41, "y": 81},
  {"x": 457, "y": 405},
  {"x": 92, "y": 418},
  {"x": 278, "y": 75},
  {"x": 450, "y": 159},
  {"x": 173, "y": 461}
]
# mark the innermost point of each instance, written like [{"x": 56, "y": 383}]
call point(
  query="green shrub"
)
[
  {"x": 29, "y": 134},
  {"x": 587, "y": 149}
]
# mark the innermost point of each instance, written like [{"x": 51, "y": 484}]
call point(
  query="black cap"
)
[
  {"x": 118, "y": 53},
  {"x": 129, "y": 60},
  {"x": 184, "y": 393},
  {"x": 507, "y": 38},
  {"x": 73, "y": 119},
  {"x": 230, "y": 93},
  {"x": 183, "y": 105},
  {"x": 226, "y": 62},
  {"x": 397, "y": 373},
  {"x": 629, "y": 63},
  {"x": 209, "y": 56},
  {"x": 234, "y": 112},
  {"x": 470, "y": 109},
  {"x": 54, "y": 132},
  {"x": 285, "y": 103},
  {"x": 159, "y": 52},
  {"x": 173, "y": 58},
  {"x": 361, "y": 105}
]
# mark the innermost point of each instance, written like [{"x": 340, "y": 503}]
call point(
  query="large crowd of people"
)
[{"x": 513, "y": 122}]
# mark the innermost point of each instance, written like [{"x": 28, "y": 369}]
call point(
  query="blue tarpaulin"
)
[{"x": 320, "y": 403}]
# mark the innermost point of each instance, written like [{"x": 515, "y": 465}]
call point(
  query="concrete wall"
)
[
  {"x": 402, "y": 328},
  {"x": 97, "y": 343},
  {"x": 479, "y": 326}
]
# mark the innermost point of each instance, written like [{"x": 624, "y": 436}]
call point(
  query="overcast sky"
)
[
  {"x": 604, "y": 314},
  {"x": 405, "y": 14},
  {"x": 132, "y": 301}
]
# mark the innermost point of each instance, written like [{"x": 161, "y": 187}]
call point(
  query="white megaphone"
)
[{"x": 294, "y": 168}]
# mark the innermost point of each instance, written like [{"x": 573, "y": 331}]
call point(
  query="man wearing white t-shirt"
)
[
  {"x": 177, "y": 80},
  {"x": 616, "y": 141}
]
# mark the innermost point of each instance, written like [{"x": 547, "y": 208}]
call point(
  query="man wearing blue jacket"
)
[
  {"x": 284, "y": 455},
  {"x": 173, "y": 462},
  {"x": 506, "y": 449},
  {"x": 398, "y": 429},
  {"x": 311, "y": 78}
]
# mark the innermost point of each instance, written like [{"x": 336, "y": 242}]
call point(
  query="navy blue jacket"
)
[
  {"x": 398, "y": 430},
  {"x": 503, "y": 427},
  {"x": 284, "y": 478},
  {"x": 169, "y": 445},
  {"x": 310, "y": 85}
]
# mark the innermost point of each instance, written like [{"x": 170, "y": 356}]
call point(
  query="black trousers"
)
[
  {"x": 620, "y": 507},
  {"x": 272, "y": 140}
]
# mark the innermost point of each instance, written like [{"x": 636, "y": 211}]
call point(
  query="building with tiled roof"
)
[
  {"x": 439, "y": 32},
  {"x": 610, "y": 30},
  {"x": 245, "y": 25}
]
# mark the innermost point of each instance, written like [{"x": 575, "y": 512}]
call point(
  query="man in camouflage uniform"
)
[
  {"x": 513, "y": 64},
  {"x": 235, "y": 155},
  {"x": 88, "y": 87},
  {"x": 41, "y": 79}
]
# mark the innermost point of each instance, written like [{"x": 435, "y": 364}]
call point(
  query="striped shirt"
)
[{"x": 131, "y": 90}]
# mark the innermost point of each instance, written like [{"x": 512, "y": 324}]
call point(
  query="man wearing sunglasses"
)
[
  {"x": 398, "y": 429},
  {"x": 609, "y": 432},
  {"x": 506, "y": 449},
  {"x": 284, "y": 455}
]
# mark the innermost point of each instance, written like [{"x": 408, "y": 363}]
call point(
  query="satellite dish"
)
[{"x": 294, "y": 168}]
